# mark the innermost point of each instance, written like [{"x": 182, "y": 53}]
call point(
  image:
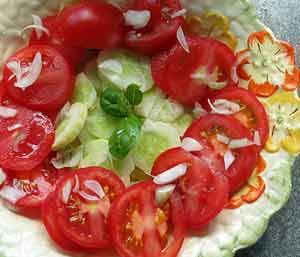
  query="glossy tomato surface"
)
[
  {"x": 204, "y": 191},
  {"x": 176, "y": 71},
  {"x": 83, "y": 199},
  {"x": 141, "y": 228},
  {"x": 252, "y": 113},
  {"x": 92, "y": 24},
  {"x": 26, "y": 138},
  {"x": 160, "y": 32},
  {"x": 206, "y": 129},
  {"x": 54, "y": 85}
]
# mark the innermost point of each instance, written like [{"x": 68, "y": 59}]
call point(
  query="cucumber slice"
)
[
  {"x": 91, "y": 71},
  {"x": 85, "y": 136},
  {"x": 155, "y": 138},
  {"x": 124, "y": 168},
  {"x": 101, "y": 125},
  {"x": 95, "y": 153},
  {"x": 156, "y": 106},
  {"x": 121, "y": 68},
  {"x": 183, "y": 122},
  {"x": 69, "y": 157},
  {"x": 70, "y": 126},
  {"x": 84, "y": 92}
]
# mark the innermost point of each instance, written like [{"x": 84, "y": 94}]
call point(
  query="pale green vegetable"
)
[
  {"x": 95, "y": 153},
  {"x": 91, "y": 71},
  {"x": 155, "y": 138},
  {"x": 121, "y": 68},
  {"x": 156, "y": 106},
  {"x": 84, "y": 92},
  {"x": 68, "y": 157},
  {"x": 183, "y": 122},
  {"x": 85, "y": 135},
  {"x": 99, "y": 124},
  {"x": 70, "y": 126}
]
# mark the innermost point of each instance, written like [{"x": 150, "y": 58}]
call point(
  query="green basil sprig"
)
[{"x": 133, "y": 94}]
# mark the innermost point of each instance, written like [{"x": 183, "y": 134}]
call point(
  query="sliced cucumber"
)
[
  {"x": 84, "y": 92},
  {"x": 85, "y": 135},
  {"x": 121, "y": 68},
  {"x": 69, "y": 157},
  {"x": 91, "y": 71},
  {"x": 124, "y": 168},
  {"x": 101, "y": 125},
  {"x": 70, "y": 126},
  {"x": 155, "y": 138},
  {"x": 95, "y": 153},
  {"x": 156, "y": 106},
  {"x": 183, "y": 122}
]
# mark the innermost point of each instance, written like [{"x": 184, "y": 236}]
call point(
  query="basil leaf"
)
[
  {"x": 125, "y": 137},
  {"x": 133, "y": 94},
  {"x": 114, "y": 102}
]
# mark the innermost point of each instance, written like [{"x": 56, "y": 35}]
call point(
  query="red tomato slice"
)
[
  {"x": 50, "y": 221},
  {"x": 54, "y": 86},
  {"x": 160, "y": 33},
  {"x": 252, "y": 114},
  {"x": 173, "y": 71},
  {"x": 81, "y": 210},
  {"x": 205, "y": 131},
  {"x": 204, "y": 192},
  {"x": 75, "y": 55},
  {"x": 26, "y": 139},
  {"x": 92, "y": 24},
  {"x": 24, "y": 192},
  {"x": 141, "y": 228}
]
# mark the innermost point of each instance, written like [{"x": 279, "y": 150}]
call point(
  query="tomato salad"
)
[{"x": 90, "y": 209}]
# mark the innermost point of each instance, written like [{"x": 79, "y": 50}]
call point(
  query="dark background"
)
[{"x": 282, "y": 238}]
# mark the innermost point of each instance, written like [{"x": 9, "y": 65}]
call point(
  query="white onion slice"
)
[
  {"x": 3, "y": 176},
  {"x": 96, "y": 187},
  {"x": 179, "y": 13},
  {"x": 111, "y": 66},
  {"x": 137, "y": 19},
  {"x": 223, "y": 106},
  {"x": 15, "y": 68},
  {"x": 11, "y": 194},
  {"x": 182, "y": 40},
  {"x": 34, "y": 71},
  {"x": 6, "y": 112},
  {"x": 66, "y": 192},
  {"x": 199, "y": 111},
  {"x": 88, "y": 196},
  {"x": 257, "y": 139},
  {"x": 223, "y": 139},
  {"x": 162, "y": 194},
  {"x": 239, "y": 143},
  {"x": 77, "y": 185},
  {"x": 171, "y": 175},
  {"x": 228, "y": 159},
  {"x": 13, "y": 127},
  {"x": 191, "y": 145},
  {"x": 37, "y": 26}
]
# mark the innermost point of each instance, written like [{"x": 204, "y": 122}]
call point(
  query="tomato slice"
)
[
  {"x": 50, "y": 221},
  {"x": 75, "y": 55},
  {"x": 141, "y": 228},
  {"x": 187, "y": 77},
  {"x": 204, "y": 192},
  {"x": 206, "y": 129},
  {"x": 25, "y": 192},
  {"x": 83, "y": 200},
  {"x": 92, "y": 24},
  {"x": 160, "y": 32},
  {"x": 26, "y": 138},
  {"x": 54, "y": 86},
  {"x": 252, "y": 114}
]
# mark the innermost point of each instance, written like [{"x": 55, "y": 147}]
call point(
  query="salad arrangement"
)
[{"x": 135, "y": 128}]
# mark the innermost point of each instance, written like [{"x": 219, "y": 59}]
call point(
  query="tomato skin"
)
[
  {"x": 144, "y": 194},
  {"x": 53, "y": 88},
  {"x": 24, "y": 148},
  {"x": 84, "y": 234},
  {"x": 246, "y": 157},
  {"x": 160, "y": 33},
  {"x": 74, "y": 55},
  {"x": 93, "y": 24},
  {"x": 243, "y": 96},
  {"x": 197, "y": 187},
  {"x": 172, "y": 71}
]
